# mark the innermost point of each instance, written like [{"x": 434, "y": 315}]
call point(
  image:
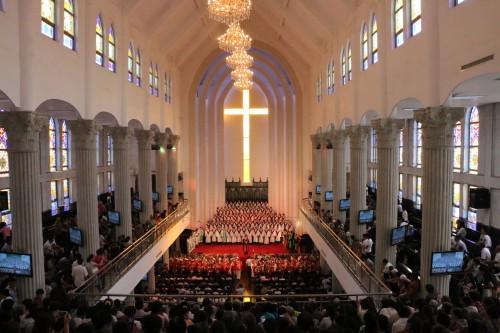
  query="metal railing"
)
[
  {"x": 119, "y": 266},
  {"x": 352, "y": 262}
]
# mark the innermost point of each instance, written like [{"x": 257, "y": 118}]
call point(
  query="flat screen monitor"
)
[
  {"x": 447, "y": 262},
  {"x": 137, "y": 205},
  {"x": 318, "y": 189},
  {"x": 344, "y": 205},
  {"x": 16, "y": 264},
  {"x": 114, "y": 217},
  {"x": 4, "y": 201},
  {"x": 170, "y": 189},
  {"x": 366, "y": 216},
  {"x": 75, "y": 236},
  {"x": 328, "y": 196},
  {"x": 398, "y": 235},
  {"x": 156, "y": 196}
]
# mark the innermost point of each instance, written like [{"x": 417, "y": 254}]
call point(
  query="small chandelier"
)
[
  {"x": 239, "y": 58},
  {"x": 229, "y": 11},
  {"x": 243, "y": 84},
  {"x": 241, "y": 73},
  {"x": 234, "y": 39}
]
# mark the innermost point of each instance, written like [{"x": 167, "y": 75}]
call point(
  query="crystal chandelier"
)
[
  {"x": 239, "y": 58},
  {"x": 234, "y": 39},
  {"x": 243, "y": 84},
  {"x": 241, "y": 73},
  {"x": 229, "y": 11}
]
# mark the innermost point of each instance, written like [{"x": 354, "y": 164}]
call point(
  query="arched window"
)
[
  {"x": 99, "y": 41},
  {"x": 349, "y": 62},
  {"x": 52, "y": 145},
  {"x": 48, "y": 11},
  {"x": 364, "y": 48},
  {"x": 416, "y": 16},
  {"x": 130, "y": 63},
  {"x": 4, "y": 156},
  {"x": 473, "y": 149},
  {"x": 374, "y": 40},
  {"x": 53, "y": 197},
  {"x": 109, "y": 150},
  {"x": 332, "y": 69},
  {"x": 69, "y": 24},
  {"x": 418, "y": 144},
  {"x": 457, "y": 147},
  {"x": 111, "y": 49},
  {"x": 344, "y": 67},
  {"x": 401, "y": 146},
  {"x": 455, "y": 211},
  {"x": 165, "y": 87},
  {"x": 155, "y": 82},
  {"x": 373, "y": 145},
  {"x": 65, "y": 146},
  {"x": 138, "y": 68},
  {"x": 151, "y": 79},
  {"x": 399, "y": 19},
  {"x": 328, "y": 77}
]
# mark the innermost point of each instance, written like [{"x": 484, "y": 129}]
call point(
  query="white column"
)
[
  {"x": 359, "y": 170},
  {"x": 121, "y": 137},
  {"x": 437, "y": 171},
  {"x": 339, "y": 172},
  {"x": 83, "y": 133},
  {"x": 316, "y": 165},
  {"x": 144, "y": 140},
  {"x": 172, "y": 167},
  {"x": 327, "y": 170},
  {"x": 387, "y": 187},
  {"x": 162, "y": 169},
  {"x": 23, "y": 130}
]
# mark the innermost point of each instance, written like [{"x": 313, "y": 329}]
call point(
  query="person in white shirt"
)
[
  {"x": 460, "y": 245},
  {"x": 484, "y": 239},
  {"x": 485, "y": 253},
  {"x": 79, "y": 273},
  {"x": 404, "y": 216}
]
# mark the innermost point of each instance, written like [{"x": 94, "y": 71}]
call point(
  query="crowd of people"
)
[
  {"x": 247, "y": 222},
  {"x": 206, "y": 264},
  {"x": 194, "y": 239},
  {"x": 281, "y": 264}
]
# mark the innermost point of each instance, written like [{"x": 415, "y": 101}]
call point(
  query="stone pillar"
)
[
  {"x": 83, "y": 133},
  {"x": 121, "y": 137},
  {"x": 23, "y": 130},
  {"x": 437, "y": 171},
  {"x": 327, "y": 170},
  {"x": 152, "y": 280},
  {"x": 387, "y": 189},
  {"x": 339, "y": 172},
  {"x": 316, "y": 165},
  {"x": 144, "y": 140},
  {"x": 359, "y": 172},
  {"x": 162, "y": 169},
  {"x": 173, "y": 179}
]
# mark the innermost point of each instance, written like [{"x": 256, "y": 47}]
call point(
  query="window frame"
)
[
  {"x": 399, "y": 34},
  {"x": 45, "y": 22},
  {"x": 365, "y": 49},
  {"x": 109, "y": 150},
  {"x": 343, "y": 61},
  {"x": 418, "y": 142},
  {"x": 468, "y": 140},
  {"x": 130, "y": 63},
  {"x": 138, "y": 69},
  {"x": 54, "y": 203},
  {"x": 67, "y": 35},
  {"x": 65, "y": 146},
  {"x": 4, "y": 152},
  {"x": 374, "y": 40},
  {"x": 349, "y": 61},
  {"x": 99, "y": 36},
  {"x": 458, "y": 146},
  {"x": 418, "y": 192},
  {"x": 53, "y": 144},
  {"x": 415, "y": 22},
  {"x": 111, "y": 49}
]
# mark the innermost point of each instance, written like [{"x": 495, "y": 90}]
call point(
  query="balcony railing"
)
[
  {"x": 119, "y": 266},
  {"x": 359, "y": 270}
]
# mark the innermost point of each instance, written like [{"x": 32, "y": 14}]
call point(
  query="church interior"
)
[{"x": 253, "y": 166}]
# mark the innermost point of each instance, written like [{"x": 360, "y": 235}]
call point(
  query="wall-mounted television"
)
[
  {"x": 398, "y": 235},
  {"x": 14, "y": 263},
  {"x": 170, "y": 189},
  {"x": 156, "y": 196},
  {"x": 75, "y": 236},
  {"x": 447, "y": 262},
  {"x": 114, "y": 217},
  {"x": 137, "y": 205},
  {"x": 344, "y": 205},
  {"x": 328, "y": 196},
  {"x": 366, "y": 216},
  {"x": 318, "y": 189}
]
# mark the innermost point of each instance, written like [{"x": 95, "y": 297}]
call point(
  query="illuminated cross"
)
[{"x": 246, "y": 112}]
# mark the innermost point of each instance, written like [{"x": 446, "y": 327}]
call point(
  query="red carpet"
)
[{"x": 238, "y": 249}]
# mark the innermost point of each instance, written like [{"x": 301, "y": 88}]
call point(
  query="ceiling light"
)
[
  {"x": 229, "y": 11},
  {"x": 234, "y": 39},
  {"x": 241, "y": 73},
  {"x": 239, "y": 58}
]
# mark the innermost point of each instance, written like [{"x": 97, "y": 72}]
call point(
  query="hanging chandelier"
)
[
  {"x": 243, "y": 84},
  {"x": 229, "y": 11},
  {"x": 241, "y": 73},
  {"x": 234, "y": 39},
  {"x": 239, "y": 58}
]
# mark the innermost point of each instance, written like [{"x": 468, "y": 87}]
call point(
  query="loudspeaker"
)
[{"x": 479, "y": 198}]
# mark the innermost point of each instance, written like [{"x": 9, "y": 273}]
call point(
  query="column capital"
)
[
  {"x": 173, "y": 139},
  {"x": 84, "y": 132},
  {"x": 316, "y": 140},
  {"x": 326, "y": 140},
  {"x": 437, "y": 124},
  {"x": 338, "y": 138},
  {"x": 388, "y": 130},
  {"x": 121, "y": 136},
  {"x": 23, "y": 129},
  {"x": 358, "y": 135},
  {"x": 144, "y": 138},
  {"x": 162, "y": 139}
]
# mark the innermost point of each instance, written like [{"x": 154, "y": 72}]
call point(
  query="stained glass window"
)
[
  {"x": 151, "y": 79},
  {"x": 373, "y": 177},
  {"x": 373, "y": 145},
  {"x": 457, "y": 147},
  {"x": 349, "y": 62},
  {"x": 99, "y": 41},
  {"x": 66, "y": 194},
  {"x": 328, "y": 77},
  {"x": 65, "y": 146},
  {"x": 474, "y": 140},
  {"x": 165, "y": 87},
  {"x": 156, "y": 81},
  {"x": 418, "y": 144},
  {"x": 416, "y": 16},
  {"x": 48, "y": 9},
  {"x": 400, "y": 187},
  {"x": 344, "y": 67},
  {"x": 374, "y": 40},
  {"x": 110, "y": 181},
  {"x": 332, "y": 69},
  {"x": 138, "y": 68},
  {"x": 364, "y": 48},
  {"x": 456, "y": 201},
  {"x": 53, "y": 197},
  {"x": 401, "y": 147},
  {"x": 111, "y": 49},
  {"x": 109, "y": 150},
  {"x": 399, "y": 17},
  {"x": 4, "y": 156},
  {"x": 69, "y": 24},
  {"x": 130, "y": 63},
  {"x": 6, "y": 215},
  {"x": 418, "y": 192},
  {"x": 52, "y": 145}
]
